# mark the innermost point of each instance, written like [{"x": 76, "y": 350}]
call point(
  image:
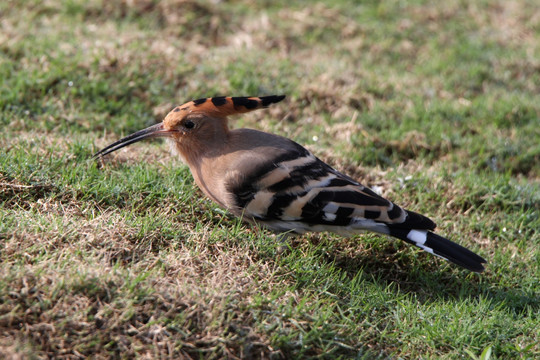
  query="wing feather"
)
[{"x": 310, "y": 192}]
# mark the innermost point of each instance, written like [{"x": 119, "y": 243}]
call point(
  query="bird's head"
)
[{"x": 191, "y": 124}]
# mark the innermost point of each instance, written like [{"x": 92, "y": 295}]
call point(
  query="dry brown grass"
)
[{"x": 107, "y": 290}]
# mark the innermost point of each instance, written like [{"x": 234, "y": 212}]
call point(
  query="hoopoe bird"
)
[{"x": 271, "y": 180}]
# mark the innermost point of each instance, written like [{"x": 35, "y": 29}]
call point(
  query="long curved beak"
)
[{"x": 150, "y": 132}]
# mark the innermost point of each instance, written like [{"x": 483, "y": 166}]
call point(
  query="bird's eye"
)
[{"x": 189, "y": 124}]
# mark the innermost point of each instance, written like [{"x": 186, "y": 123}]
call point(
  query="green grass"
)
[{"x": 436, "y": 105}]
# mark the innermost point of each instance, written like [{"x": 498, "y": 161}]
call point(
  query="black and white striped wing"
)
[{"x": 300, "y": 193}]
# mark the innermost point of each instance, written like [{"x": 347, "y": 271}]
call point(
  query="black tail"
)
[{"x": 442, "y": 247}]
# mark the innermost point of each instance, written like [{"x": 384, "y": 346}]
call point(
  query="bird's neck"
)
[
  {"x": 196, "y": 150},
  {"x": 207, "y": 167}
]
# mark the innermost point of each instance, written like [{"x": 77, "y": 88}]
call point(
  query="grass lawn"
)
[{"x": 435, "y": 105}]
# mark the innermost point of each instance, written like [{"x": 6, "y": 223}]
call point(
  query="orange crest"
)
[{"x": 222, "y": 106}]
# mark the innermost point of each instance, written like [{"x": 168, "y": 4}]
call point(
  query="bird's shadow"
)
[{"x": 403, "y": 272}]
